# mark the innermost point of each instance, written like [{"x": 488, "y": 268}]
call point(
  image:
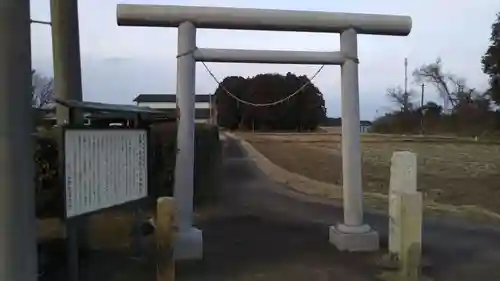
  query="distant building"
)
[
  {"x": 47, "y": 116},
  {"x": 204, "y": 104},
  {"x": 364, "y": 125}
]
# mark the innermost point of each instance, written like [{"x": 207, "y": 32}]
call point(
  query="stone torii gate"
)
[{"x": 353, "y": 234}]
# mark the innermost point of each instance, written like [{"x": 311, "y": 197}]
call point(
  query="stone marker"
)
[
  {"x": 403, "y": 179},
  {"x": 411, "y": 235}
]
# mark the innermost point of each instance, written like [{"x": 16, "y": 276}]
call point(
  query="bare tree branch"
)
[
  {"x": 404, "y": 100},
  {"x": 42, "y": 90},
  {"x": 433, "y": 73}
]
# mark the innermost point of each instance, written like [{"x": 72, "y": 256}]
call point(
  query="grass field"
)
[{"x": 454, "y": 171}]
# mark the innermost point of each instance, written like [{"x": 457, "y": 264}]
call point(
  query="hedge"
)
[
  {"x": 207, "y": 157},
  {"x": 49, "y": 193}
]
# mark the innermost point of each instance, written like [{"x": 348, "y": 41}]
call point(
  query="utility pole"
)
[
  {"x": 422, "y": 110},
  {"x": 210, "y": 109},
  {"x": 18, "y": 248},
  {"x": 406, "y": 76}
]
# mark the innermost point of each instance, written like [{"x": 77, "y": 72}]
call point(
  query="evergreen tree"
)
[{"x": 491, "y": 62}]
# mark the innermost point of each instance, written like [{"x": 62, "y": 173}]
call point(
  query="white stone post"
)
[
  {"x": 405, "y": 215},
  {"x": 411, "y": 214},
  {"x": 403, "y": 180},
  {"x": 352, "y": 235},
  {"x": 189, "y": 241}
]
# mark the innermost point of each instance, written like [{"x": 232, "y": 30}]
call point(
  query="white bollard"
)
[
  {"x": 411, "y": 235},
  {"x": 403, "y": 180},
  {"x": 403, "y": 171}
]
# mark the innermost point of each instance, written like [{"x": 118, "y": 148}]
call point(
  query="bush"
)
[
  {"x": 207, "y": 157},
  {"x": 49, "y": 195},
  {"x": 49, "y": 192}
]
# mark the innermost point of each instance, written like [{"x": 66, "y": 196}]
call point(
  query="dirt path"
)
[{"x": 265, "y": 231}]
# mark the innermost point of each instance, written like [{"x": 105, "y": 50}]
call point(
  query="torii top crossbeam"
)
[{"x": 262, "y": 19}]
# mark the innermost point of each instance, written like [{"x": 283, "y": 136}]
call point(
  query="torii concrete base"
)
[
  {"x": 188, "y": 244},
  {"x": 360, "y": 239}
]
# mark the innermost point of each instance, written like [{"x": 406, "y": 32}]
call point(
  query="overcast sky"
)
[{"x": 120, "y": 62}]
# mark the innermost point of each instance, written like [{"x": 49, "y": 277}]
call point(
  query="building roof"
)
[
  {"x": 88, "y": 106},
  {"x": 332, "y": 121},
  {"x": 167, "y": 98},
  {"x": 97, "y": 108},
  {"x": 199, "y": 113}
]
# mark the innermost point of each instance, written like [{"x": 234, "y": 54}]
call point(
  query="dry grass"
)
[
  {"x": 112, "y": 255},
  {"x": 452, "y": 171}
]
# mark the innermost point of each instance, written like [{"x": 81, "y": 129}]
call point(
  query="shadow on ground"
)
[
  {"x": 265, "y": 231},
  {"x": 260, "y": 230},
  {"x": 249, "y": 247}
]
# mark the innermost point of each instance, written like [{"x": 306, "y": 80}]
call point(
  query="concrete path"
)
[{"x": 265, "y": 231}]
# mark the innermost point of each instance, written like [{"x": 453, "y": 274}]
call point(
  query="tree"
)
[
  {"x": 431, "y": 109},
  {"x": 228, "y": 108},
  {"x": 402, "y": 99},
  {"x": 433, "y": 73},
  {"x": 240, "y": 109},
  {"x": 491, "y": 62},
  {"x": 42, "y": 90}
]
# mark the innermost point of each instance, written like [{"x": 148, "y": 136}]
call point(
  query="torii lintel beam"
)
[{"x": 261, "y": 19}]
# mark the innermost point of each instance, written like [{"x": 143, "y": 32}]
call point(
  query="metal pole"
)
[
  {"x": 210, "y": 109},
  {"x": 406, "y": 76},
  {"x": 422, "y": 96},
  {"x": 18, "y": 248},
  {"x": 66, "y": 56},
  {"x": 422, "y": 110}
]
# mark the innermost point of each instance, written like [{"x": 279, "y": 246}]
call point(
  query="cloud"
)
[{"x": 120, "y": 62}]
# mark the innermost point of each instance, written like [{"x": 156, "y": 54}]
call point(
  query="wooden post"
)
[{"x": 164, "y": 234}]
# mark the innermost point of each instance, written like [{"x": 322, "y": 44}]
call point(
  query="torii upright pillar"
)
[
  {"x": 189, "y": 244},
  {"x": 352, "y": 234}
]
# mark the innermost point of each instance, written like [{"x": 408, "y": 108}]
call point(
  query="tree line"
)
[
  {"x": 461, "y": 110},
  {"x": 302, "y": 112}
]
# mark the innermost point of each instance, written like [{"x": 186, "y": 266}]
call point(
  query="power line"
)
[{"x": 41, "y": 22}]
